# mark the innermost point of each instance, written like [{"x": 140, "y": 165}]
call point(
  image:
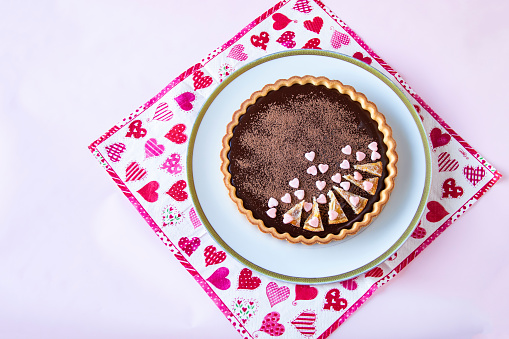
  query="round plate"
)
[{"x": 298, "y": 263}]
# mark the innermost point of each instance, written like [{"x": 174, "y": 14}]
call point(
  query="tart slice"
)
[
  {"x": 336, "y": 214},
  {"x": 374, "y": 168},
  {"x": 293, "y": 215},
  {"x": 369, "y": 185},
  {"x": 314, "y": 222},
  {"x": 356, "y": 202}
]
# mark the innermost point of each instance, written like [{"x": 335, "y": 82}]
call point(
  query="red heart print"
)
[
  {"x": 134, "y": 172},
  {"x": 185, "y": 101},
  {"x": 446, "y": 163},
  {"x": 280, "y": 21},
  {"x": 359, "y": 56},
  {"x": 286, "y": 39},
  {"x": 305, "y": 323},
  {"x": 148, "y": 192},
  {"x": 474, "y": 175},
  {"x": 219, "y": 278},
  {"x": 135, "y": 130},
  {"x": 436, "y": 211},
  {"x": 438, "y": 138},
  {"x": 201, "y": 81},
  {"x": 152, "y": 148},
  {"x": 212, "y": 256},
  {"x": 303, "y": 6},
  {"x": 237, "y": 53},
  {"x": 271, "y": 326},
  {"x": 193, "y": 216},
  {"x": 339, "y": 39},
  {"x": 247, "y": 281},
  {"x": 376, "y": 272},
  {"x": 276, "y": 294},
  {"x": 177, "y": 191},
  {"x": 176, "y": 134},
  {"x": 312, "y": 44},
  {"x": 305, "y": 292},
  {"x": 162, "y": 112},
  {"x": 314, "y": 25},
  {"x": 189, "y": 246},
  {"x": 114, "y": 151},
  {"x": 334, "y": 301},
  {"x": 260, "y": 40},
  {"x": 450, "y": 189},
  {"x": 419, "y": 232},
  {"x": 350, "y": 284}
]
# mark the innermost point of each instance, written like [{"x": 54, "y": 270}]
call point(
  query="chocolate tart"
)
[{"x": 309, "y": 160}]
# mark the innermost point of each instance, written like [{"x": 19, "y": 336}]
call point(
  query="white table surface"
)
[{"x": 76, "y": 259}]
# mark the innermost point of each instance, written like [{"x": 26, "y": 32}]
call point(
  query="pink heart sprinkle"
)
[
  {"x": 347, "y": 149},
  {"x": 299, "y": 194},
  {"x": 272, "y": 202},
  {"x": 313, "y": 222},
  {"x": 308, "y": 206},
  {"x": 345, "y": 164},
  {"x": 375, "y": 155},
  {"x": 357, "y": 175},
  {"x": 360, "y": 156},
  {"x": 354, "y": 200},
  {"x": 271, "y": 213},
  {"x": 312, "y": 170},
  {"x": 373, "y": 146},
  {"x": 294, "y": 183},
  {"x": 321, "y": 199},
  {"x": 287, "y": 219},
  {"x": 287, "y": 198},
  {"x": 345, "y": 185},
  {"x": 333, "y": 215},
  {"x": 367, "y": 185},
  {"x": 336, "y": 178},
  {"x": 323, "y": 168},
  {"x": 320, "y": 185},
  {"x": 310, "y": 156}
]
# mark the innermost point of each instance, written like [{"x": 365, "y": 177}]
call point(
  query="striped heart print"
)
[
  {"x": 305, "y": 323},
  {"x": 153, "y": 149},
  {"x": 447, "y": 163},
  {"x": 134, "y": 172},
  {"x": 163, "y": 113}
]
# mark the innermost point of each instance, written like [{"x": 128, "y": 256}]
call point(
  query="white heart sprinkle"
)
[
  {"x": 373, "y": 146},
  {"x": 294, "y": 183},
  {"x": 333, "y": 215},
  {"x": 336, "y": 178},
  {"x": 345, "y": 164},
  {"x": 308, "y": 206},
  {"x": 313, "y": 222},
  {"x": 323, "y": 168},
  {"x": 375, "y": 155},
  {"x": 272, "y": 202},
  {"x": 312, "y": 170},
  {"x": 321, "y": 199},
  {"x": 360, "y": 156},
  {"x": 357, "y": 175},
  {"x": 299, "y": 194},
  {"x": 287, "y": 218},
  {"x": 310, "y": 156},
  {"x": 271, "y": 213},
  {"x": 347, "y": 149},
  {"x": 287, "y": 198},
  {"x": 345, "y": 185},
  {"x": 354, "y": 200},
  {"x": 320, "y": 185},
  {"x": 367, "y": 185}
]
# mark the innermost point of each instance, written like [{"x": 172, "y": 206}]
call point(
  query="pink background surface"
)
[{"x": 77, "y": 261}]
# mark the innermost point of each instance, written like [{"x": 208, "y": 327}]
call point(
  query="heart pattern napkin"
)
[{"x": 145, "y": 154}]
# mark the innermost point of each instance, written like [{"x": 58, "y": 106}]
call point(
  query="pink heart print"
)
[
  {"x": 172, "y": 164},
  {"x": 312, "y": 44},
  {"x": 271, "y": 326},
  {"x": 201, "y": 80},
  {"x": 305, "y": 323},
  {"x": 153, "y": 149},
  {"x": 114, "y": 151},
  {"x": 276, "y": 294},
  {"x": 148, "y": 192},
  {"x": 359, "y": 56},
  {"x": 286, "y": 39},
  {"x": 280, "y": 21},
  {"x": 219, "y": 278},
  {"x": 212, "y": 256},
  {"x": 134, "y": 172},
  {"x": 162, "y": 112},
  {"x": 474, "y": 175},
  {"x": 314, "y": 25},
  {"x": 189, "y": 246},
  {"x": 339, "y": 39},
  {"x": 185, "y": 101},
  {"x": 237, "y": 53},
  {"x": 303, "y": 6}
]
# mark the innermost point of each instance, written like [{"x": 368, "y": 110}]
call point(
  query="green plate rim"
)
[{"x": 343, "y": 276}]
